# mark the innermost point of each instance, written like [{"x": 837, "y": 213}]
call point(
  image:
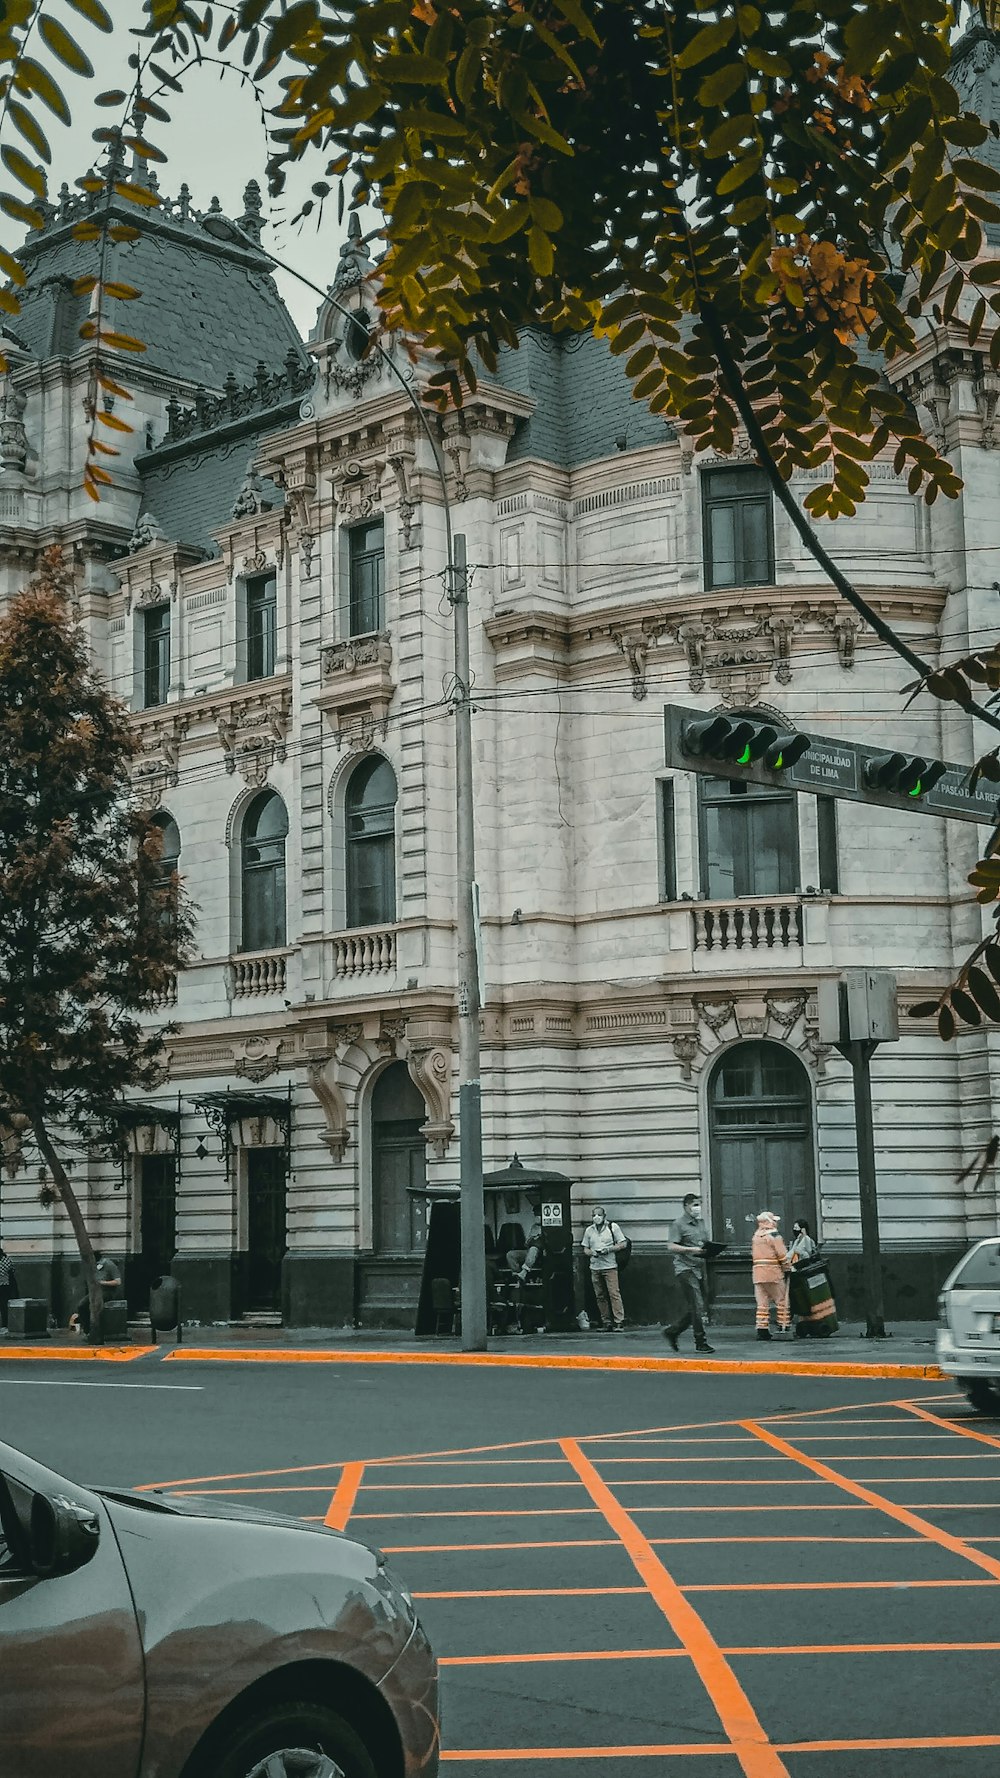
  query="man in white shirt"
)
[{"x": 602, "y": 1242}]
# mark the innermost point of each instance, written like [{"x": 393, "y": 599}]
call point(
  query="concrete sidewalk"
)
[{"x": 908, "y": 1350}]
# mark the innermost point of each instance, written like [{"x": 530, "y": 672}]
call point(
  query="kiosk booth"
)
[{"x": 528, "y": 1228}]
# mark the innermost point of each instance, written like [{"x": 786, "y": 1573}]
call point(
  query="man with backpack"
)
[{"x": 603, "y": 1241}]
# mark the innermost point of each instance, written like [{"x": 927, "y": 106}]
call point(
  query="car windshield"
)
[{"x": 981, "y": 1270}]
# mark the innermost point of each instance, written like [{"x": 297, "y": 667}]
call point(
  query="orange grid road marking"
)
[
  {"x": 952, "y": 1427},
  {"x": 902, "y": 1514},
  {"x": 905, "y": 1744},
  {"x": 736, "y": 1586},
  {"x": 669, "y": 1654},
  {"x": 344, "y": 1495},
  {"x": 739, "y": 1720},
  {"x": 678, "y": 1749}
]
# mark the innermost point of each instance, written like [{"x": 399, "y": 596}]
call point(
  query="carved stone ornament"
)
[
  {"x": 148, "y": 531},
  {"x": 156, "y": 768},
  {"x": 400, "y": 459},
  {"x": 686, "y": 1049},
  {"x": 322, "y": 1078},
  {"x": 391, "y": 1034},
  {"x": 307, "y": 554},
  {"x": 342, "y": 659},
  {"x": 430, "y": 1072},
  {"x": 14, "y": 445},
  {"x": 985, "y": 390},
  {"x": 257, "y": 1057},
  {"x": 350, "y": 376},
  {"x": 634, "y": 645},
  {"x": 253, "y": 734},
  {"x": 250, "y": 500},
  {"x": 357, "y": 489},
  {"x": 256, "y": 562}
]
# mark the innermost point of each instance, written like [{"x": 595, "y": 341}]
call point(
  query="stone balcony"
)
[
  {"x": 368, "y": 951},
  {"x": 753, "y": 923},
  {"x": 257, "y": 973}
]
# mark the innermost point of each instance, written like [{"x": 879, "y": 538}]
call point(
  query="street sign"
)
[{"x": 823, "y": 764}]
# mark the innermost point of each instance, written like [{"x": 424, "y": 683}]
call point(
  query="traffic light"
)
[
  {"x": 742, "y": 742},
  {"x": 905, "y": 773}
]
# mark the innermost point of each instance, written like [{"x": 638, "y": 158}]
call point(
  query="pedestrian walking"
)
[
  {"x": 770, "y": 1268},
  {"x": 686, "y": 1242},
  {"x": 810, "y": 1293},
  {"x": 8, "y": 1285},
  {"x": 602, "y": 1242}
]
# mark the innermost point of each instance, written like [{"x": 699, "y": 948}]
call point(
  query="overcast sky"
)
[{"x": 214, "y": 142}]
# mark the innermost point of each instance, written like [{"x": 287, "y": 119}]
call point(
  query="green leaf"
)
[
  {"x": 64, "y": 47},
  {"x": 25, "y": 121},
  {"x": 94, "y": 13},
  {"x": 707, "y": 42},
  {"x": 964, "y": 1005},
  {"x": 978, "y": 174},
  {"x": 540, "y": 254},
  {"x": 991, "y": 957},
  {"x": 24, "y": 170},
  {"x": 412, "y": 70},
  {"x": 716, "y": 88},
  {"x": 924, "y": 1009},
  {"x": 31, "y": 77},
  {"x": 946, "y": 1024},
  {"x": 986, "y": 994}
]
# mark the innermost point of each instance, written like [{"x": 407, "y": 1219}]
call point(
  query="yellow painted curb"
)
[
  {"x": 107, "y": 1354},
  {"x": 564, "y": 1361}
]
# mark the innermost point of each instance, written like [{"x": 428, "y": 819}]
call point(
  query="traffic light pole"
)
[{"x": 859, "y": 1053}]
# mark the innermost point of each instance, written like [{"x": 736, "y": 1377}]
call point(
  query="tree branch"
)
[{"x": 786, "y": 499}]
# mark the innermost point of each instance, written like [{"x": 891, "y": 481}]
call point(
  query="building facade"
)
[{"x": 265, "y": 586}]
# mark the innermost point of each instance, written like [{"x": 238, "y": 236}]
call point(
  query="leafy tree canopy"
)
[{"x": 92, "y": 926}]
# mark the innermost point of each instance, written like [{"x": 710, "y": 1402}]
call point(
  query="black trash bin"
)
[
  {"x": 165, "y": 1308},
  {"x": 28, "y": 1318},
  {"x": 114, "y": 1319}
]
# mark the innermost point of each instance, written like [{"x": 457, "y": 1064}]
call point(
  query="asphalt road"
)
[{"x": 655, "y": 1574}]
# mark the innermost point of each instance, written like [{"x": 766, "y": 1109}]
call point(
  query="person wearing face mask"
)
[
  {"x": 686, "y": 1242},
  {"x": 602, "y": 1243}
]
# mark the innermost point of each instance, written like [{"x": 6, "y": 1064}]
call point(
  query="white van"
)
[{"x": 968, "y": 1335}]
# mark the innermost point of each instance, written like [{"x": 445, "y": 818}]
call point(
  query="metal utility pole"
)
[{"x": 470, "y": 1127}]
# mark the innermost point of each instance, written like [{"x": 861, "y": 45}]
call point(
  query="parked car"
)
[
  {"x": 143, "y": 1636},
  {"x": 968, "y": 1335}
]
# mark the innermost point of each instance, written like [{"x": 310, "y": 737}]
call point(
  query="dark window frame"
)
[
  {"x": 370, "y": 850},
  {"x": 260, "y": 592},
  {"x": 720, "y": 488},
  {"x": 666, "y": 836},
  {"x": 365, "y": 578},
  {"x": 255, "y": 933},
  {"x": 721, "y": 792},
  {"x": 155, "y": 657}
]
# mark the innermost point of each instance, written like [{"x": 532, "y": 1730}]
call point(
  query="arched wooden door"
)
[
  {"x": 760, "y": 1131},
  {"x": 389, "y": 1281}
]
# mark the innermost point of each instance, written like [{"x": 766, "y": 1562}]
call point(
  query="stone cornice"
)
[{"x": 736, "y": 636}]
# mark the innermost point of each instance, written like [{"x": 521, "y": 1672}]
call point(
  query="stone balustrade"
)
[
  {"x": 757, "y": 923},
  {"x": 368, "y": 952},
  {"x": 259, "y": 972}
]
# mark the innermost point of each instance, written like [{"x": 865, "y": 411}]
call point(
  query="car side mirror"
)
[{"x": 63, "y": 1534}]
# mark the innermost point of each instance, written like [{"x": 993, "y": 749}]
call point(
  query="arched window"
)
[
  {"x": 760, "y": 1127},
  {"x": 263, "y": 873},
  {"x": 749, "y": 837},
  {"x": 370, "y": 814},
  {"x": 170, "y": 844},
  {"x": 158, "y": 906}
]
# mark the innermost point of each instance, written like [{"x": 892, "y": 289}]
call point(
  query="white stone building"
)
[{"x": 266, "y": 588}]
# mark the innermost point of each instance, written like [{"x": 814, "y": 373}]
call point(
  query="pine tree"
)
[{"x": 91, "y": 930}]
